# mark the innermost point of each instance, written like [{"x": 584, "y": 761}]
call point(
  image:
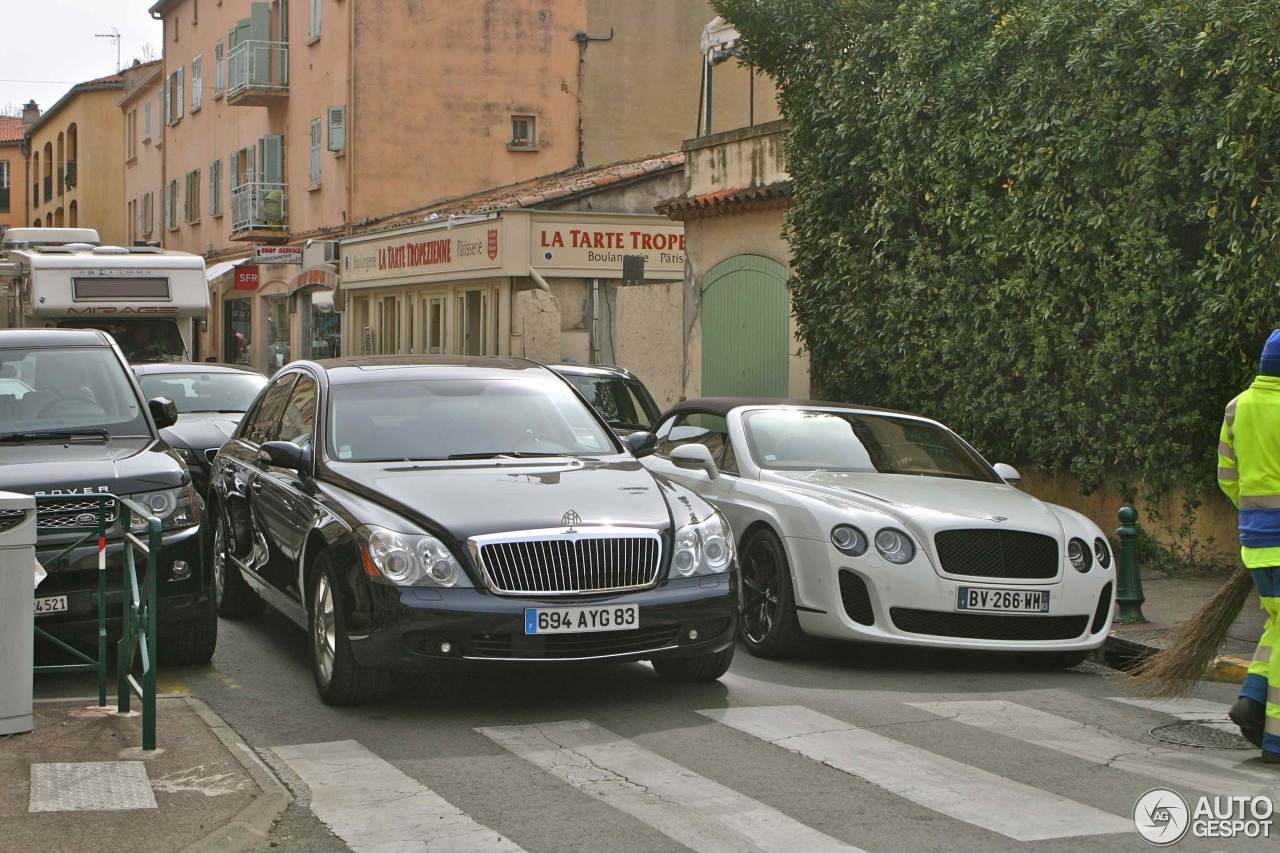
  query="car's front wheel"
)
[
  {"x": 195, "y": 643},
  {"x": 1059, "y": 660},
  {"x": 706, "y": 667},
  {"x": 769, "y": 624},
  {"x": 230, "y": 591},
  {"x": 340, "y": 680}
]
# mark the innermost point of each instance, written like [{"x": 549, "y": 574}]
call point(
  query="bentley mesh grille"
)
[
  {"x": 997, "y": 554},
  {"x": 570, "y": 564},
  {"x": 1104, "y": 610},
  {"x": 856, "y": 598},
  {"x": 987, "y": 626}
]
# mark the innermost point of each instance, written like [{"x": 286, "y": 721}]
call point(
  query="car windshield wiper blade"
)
[
  {"x": 48, "y": 435},
  {"x": 515, "y": 454}
]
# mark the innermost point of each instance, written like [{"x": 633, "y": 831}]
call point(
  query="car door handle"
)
[{"x": 256, "y": 486}]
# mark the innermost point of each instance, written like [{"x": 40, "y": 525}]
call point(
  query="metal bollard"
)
[{"x": 1129, "y": 595}]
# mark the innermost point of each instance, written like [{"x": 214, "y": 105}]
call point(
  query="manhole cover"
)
[{"x": 1198, "y": 734}]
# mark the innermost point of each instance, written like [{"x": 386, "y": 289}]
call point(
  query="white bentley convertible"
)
[{"x": 866, "y": 524}]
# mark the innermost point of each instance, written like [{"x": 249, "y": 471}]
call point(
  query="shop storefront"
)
[{"x": 541, "y": 284}]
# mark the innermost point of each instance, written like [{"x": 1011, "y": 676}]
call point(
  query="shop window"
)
[
  {"x": 321, "y": 325},
  {"x": 277, "y": 344},
  {"x": 237, "y": 328}
]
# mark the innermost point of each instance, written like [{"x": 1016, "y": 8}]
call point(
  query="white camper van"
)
[
  {"x": 25, "y": 238},
  {"x": 148, "y": 299}
]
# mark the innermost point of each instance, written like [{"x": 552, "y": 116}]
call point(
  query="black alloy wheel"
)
[{"x": 769, "y": 624}]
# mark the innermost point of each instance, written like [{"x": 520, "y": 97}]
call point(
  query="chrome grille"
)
[
  {"x": 11, "y": 518},
  {"x": 580, "y": 562},
  {"x": 69, "y": 514}
]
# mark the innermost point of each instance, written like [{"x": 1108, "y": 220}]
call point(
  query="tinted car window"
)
[
  {"x": 438, "y": 419},
  {"x": 56, "y": 388},
  {"x": 794, "y": 439},
  {"x": 259, "y": 424},
  {"x": 204, "y": 392},
  {"x": 299, "y": 418},
  {"x": 139, "y": 340},
  {"x": 698, "y": 428},
  {"x": 620, "y": 401}
]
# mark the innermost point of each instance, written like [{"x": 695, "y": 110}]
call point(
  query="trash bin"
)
[{"x": 17, "y": 609}]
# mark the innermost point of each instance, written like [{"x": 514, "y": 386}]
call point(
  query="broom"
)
[{"x": 1175, "y": 670}]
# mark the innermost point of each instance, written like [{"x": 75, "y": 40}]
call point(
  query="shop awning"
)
[{"x": 220, "y": 269}]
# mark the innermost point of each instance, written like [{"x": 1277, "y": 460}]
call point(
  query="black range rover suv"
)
[
  {"x": 410, "y": 512},
  {"x": 73, "y": 425}
]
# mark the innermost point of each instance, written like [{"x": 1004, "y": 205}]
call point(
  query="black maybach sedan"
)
[{"x": 410, "y": 512}]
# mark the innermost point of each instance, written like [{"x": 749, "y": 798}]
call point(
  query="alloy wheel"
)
[
  {"x": 323, "y": 628},
  {"x": 219, "y": 561},
  {"x": 760, "y": 596}
]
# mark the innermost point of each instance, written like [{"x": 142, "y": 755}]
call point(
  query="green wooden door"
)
[{"x": 745, "y": 330}]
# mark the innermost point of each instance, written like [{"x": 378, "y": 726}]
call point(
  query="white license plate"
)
[
  {"x": 1002, "y": 600},
  {"x": 51, "y": 604},
  {"x": 578, "y": 620}
]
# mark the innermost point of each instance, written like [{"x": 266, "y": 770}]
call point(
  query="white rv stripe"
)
[
  {"x": 959, "y": 790},
  {"x": 1203, "y": 772},
  {"x": 693, "y": 810},
  {"x": 375, "y": 808},
  {"x": 1212, "y": 714}
]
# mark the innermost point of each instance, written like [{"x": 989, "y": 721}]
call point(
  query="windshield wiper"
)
[
  {"x": 51, "y": 435},
  {"x": 515, "y": 454}
]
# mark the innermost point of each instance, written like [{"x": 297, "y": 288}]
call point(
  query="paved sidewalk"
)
[
  {"x": 80, "y": 780},
  {"x": 1170, "y": 601}
]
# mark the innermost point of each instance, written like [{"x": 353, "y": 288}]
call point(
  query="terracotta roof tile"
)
[
  {"x": 10, "y": 129},
  {"x": 725, "y": 201}
]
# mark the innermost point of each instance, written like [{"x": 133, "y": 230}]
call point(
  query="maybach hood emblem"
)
[{"x": 570, "y": 520}]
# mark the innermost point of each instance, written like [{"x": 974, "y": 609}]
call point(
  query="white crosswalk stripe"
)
[
  {"x": 690, "y": 808},
  {"x": 1212, "y": 714},
  {"x": 1205, "y": 772},
  {"x": 375, "y": 808},
  {"x": 955, "y": 789}
]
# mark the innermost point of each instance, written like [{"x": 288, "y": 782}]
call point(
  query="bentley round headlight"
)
[
  {"x": 849, "y": 540},
  {"x": 1078, "y": 554},
  {"x": 1102, "y": 553},
  {"x": 895, "y": 546}
]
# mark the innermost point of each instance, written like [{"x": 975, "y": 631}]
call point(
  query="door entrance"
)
[{"x": 746, "y": 336}]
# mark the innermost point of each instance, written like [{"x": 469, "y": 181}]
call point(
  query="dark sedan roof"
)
[
  {"x": 367, "y": 368},
  {"x": 30, "y": 338},
  {"x": 190, "y": 367},
  {"x": 723, "y": 405}
]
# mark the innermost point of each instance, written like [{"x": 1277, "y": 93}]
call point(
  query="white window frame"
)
[
  {"x": 146, "y": 123},
  {"x": 530, "y": 140},
  {"x": 218, "y": 68},
  {"x": 215, "y": 188},
  {"x": 337, "y": 140},
  {"x": 197, "y": 81},
  {"x": 179, "y": 87},
  {"x": 171, "y": 205},
  {"x": 313, "y": 27},
  {"x": 4, "y": 174},
  {"x": 316, "y": 138},
  {"x": 191, "y": 198}
]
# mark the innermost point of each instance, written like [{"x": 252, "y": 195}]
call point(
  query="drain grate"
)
[{"x": 1185, "y": 733}]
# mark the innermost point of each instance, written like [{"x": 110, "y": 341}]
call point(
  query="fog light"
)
[
  {"x": 693, "y": 633},
  {"x": 446, "y": 647},
  {"x": 181, "y": 571}
]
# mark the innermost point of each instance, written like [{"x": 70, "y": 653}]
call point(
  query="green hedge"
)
[{"x": 1050, "y": 224}]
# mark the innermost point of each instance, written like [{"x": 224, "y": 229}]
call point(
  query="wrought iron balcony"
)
[
  {"x": 257, "y": 73},
  {"x": 259, "y": 213}
]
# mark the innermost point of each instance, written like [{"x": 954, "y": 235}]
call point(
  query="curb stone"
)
[{"x": 251, "y": 826}]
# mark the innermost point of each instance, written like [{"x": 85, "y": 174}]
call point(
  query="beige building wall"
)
[
  {"x": 143, "y": 163},
  {"x": 81, "y": 138}
]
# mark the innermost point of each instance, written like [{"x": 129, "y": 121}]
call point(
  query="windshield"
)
[
  {"x": 61, "y": 389},
  {"x": 807, "y": 440},
  {"x": 204, "y": 391},
  {"x": 451, "y": 418},
  {"x": 139, "y": 340},
  {"x": 622, "y": 402}
]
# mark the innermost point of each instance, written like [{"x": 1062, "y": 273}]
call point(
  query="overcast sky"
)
[{"x": 50, "y": 45}]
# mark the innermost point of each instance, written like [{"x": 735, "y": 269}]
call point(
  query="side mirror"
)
[
  {"x": 285, "y": 454},
  {"x": 1008, "y": 473},
  {"x": 695, "y": 457},
  {"x": 639, "y": 443},
  {"x": 163, "y": 411}
]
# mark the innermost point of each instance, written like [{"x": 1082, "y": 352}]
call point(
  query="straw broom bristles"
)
[{"x": 1175, "y": 670}]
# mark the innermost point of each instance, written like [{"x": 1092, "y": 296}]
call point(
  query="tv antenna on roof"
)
[{"x": 114, "y": 35}]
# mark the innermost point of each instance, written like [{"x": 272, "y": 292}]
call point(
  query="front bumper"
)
[
  {"x": 913, "y": 606},
  {"x": 409, "y": 626},
  {"x": 178, "y": 601}
]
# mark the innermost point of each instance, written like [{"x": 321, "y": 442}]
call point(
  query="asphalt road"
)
[{"x": 848, "y": 748}]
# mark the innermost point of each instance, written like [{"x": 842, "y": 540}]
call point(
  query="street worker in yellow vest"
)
[{"x": 1249, "y": 473}]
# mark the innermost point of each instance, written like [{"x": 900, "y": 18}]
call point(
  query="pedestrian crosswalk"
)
[{"x": 374, "y": 806}]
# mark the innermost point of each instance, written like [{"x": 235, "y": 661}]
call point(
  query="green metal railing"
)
[{"x": 138, "y": 598}]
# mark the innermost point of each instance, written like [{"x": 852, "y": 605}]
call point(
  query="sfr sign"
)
[{"x": 246, "y": 278}]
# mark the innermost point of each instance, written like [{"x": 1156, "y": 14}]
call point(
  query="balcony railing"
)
[
  {"x": 257, "y": 73},
  {"x": 258, "y": 211}
]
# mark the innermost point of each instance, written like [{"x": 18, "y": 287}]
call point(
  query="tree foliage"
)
[{"x": 1049, "y": 223}]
